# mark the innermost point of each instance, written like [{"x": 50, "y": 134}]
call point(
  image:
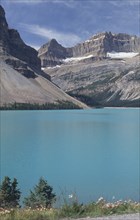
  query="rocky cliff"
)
[
  {"x": 22, "y": 80},
  {"x": 121, "y": 43},
  {"x": 12, "y": 44},
  {"x": 52, "y": 53},
  {"x": 104, "y": 70}
]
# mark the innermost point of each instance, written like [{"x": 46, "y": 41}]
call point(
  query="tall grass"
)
[{"x": 72, "y": 210}]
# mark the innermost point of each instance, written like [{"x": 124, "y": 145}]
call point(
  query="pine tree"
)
[
  {"x": 5, "y": 192},
  {"x": 42, "y": 196},
  {"x": 9, "y": 194},
  {"x": 15, "y": 194}
]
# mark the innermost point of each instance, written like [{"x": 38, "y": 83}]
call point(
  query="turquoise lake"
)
[{"x": 91, "y": 152}]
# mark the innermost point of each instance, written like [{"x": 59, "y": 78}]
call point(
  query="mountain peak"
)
[
  {"x": 53, "y": 41},
  {"x": 3, "y": 22},
  {"x": 54, "y": 52},
  {"x": 2, "y": 12}
]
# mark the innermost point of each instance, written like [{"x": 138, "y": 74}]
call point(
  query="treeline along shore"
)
[{"x": 35, "y": 106}]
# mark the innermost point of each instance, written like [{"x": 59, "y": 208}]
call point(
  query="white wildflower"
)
[{"x": 70, "y": 196}]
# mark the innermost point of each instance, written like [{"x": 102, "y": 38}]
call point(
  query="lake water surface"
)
[{"x": 91, "y": 152}]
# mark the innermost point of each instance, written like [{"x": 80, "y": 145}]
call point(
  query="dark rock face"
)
[
  {"x": 52, "y": 53},
  {"x": 21, "y": 51},
  {"x": 2, "y": 18},
  {"x": 12, "y": 44},
  {"x": 3, "y": 33},
  {"x": 21, "y": 67}
]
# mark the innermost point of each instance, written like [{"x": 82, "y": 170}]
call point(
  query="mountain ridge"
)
[
  {"x": 22, "y": 80},
  {"x": 90, "y": 71},
  {"x": 104, "y": 70},
  {"x": 97, "y": 46}
]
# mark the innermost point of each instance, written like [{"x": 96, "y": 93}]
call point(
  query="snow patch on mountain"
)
[
  {"x": 52, "y": 67},
  {"x": 75, "y": 59},
  {"x": 120, "y": 55}
]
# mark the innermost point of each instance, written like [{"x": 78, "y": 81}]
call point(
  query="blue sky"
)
[{"x": 70, "y": 21}]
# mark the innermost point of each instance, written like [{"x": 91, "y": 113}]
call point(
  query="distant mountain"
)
[
  {"x": 22, "y": 79},
  {"x": 97, "y": 46},
  {"x": 52, "y": 53},
  {"x": 104, "y": 70}
]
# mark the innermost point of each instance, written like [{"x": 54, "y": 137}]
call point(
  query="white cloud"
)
[
  {"x": 27, "y": 1},
  {"x": 30, "y": 1},
  {"x": 134, "y": 2},
  {"x": 68, "y": 3},
  {"x": 66, "y": 39},
  {"x": 119, "y": 3}
]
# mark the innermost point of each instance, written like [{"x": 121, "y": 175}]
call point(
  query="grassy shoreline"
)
[{"x": 73, "y": 210}]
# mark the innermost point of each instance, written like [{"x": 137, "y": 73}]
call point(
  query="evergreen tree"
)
[
  {"x": 15, "y": 193},
  {"x": 41, "y": 197},
  {"x": 9, "y": 194},
  {"x": 5, "y": 192}
]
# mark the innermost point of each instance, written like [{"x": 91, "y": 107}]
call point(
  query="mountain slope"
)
[
  {"x": 108, "y": 82},
  {"x": 22, "y": 79},
  {"x": 17, "y": 88},
  {"x": 104, "y": 70}
]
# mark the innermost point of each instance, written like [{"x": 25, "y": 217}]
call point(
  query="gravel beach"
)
[{"x": 114, "y": 217}]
